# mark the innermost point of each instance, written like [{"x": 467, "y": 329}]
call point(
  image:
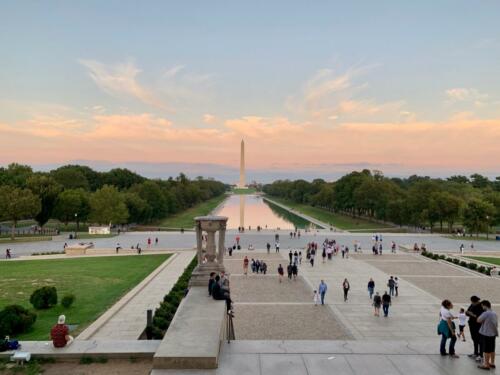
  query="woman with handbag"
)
[{"x": 446, "y": 328}]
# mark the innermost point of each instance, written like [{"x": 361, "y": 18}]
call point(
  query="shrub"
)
[
  {"x": 472, "y": 266},
  {"x": 448, "y": 259},
  {"x": 67, "y": 300},
  {"x": 456, "y": 260},
  {"x": 481, "y": 269},
  {"x": 15, "y": 319},
  {"x": 435, "y": 256},
  {"x": 463, "y": 263},
  {"x": 442, "y": 256},
  {"x": 44, "y": 297},
  {"x": 161, "y": 322}
]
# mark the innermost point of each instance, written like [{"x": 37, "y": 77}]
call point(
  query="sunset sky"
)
[{"x": 402, "y": 86}]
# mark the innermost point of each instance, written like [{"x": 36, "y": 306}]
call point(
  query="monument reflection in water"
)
[{"x": 252, "y": 210}]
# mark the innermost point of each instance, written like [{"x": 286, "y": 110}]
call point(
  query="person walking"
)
[
  {"x": 289, "y": 272},
  {"x": 446, "y": 329},
  {"x": 396, "y": 286},
  {"x": 300, "y": 257},
  {"x": 489, "y": 333},
  {"x": 316, "y": 298},
  {"x": 377, "y": 302},
  {"x": 386, "y": 302},
  {"x": 268, "y": 246},
  {"x": 290, "y": 256},
  {"x": 371, "y": 287},
  {"x": 280, "y": 273},
  {"x": 311, "y": 258},
  {"x": 295, "y": 271},
  {"x": 323, "y": 254},
  {"x": 245, "y": 265},
  {"x": 277, "y": 247},
  {"x": 462, "y": 321},
  {"x": 473, "y": 312},
  {"x": 346, "y": 287},
  {"x": 322, "y": 291},
  {"x": 390, "y": 285}
]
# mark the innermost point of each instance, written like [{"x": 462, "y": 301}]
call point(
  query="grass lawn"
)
[
  {"x": 243, "y": 191},
  {"x": 337, "y": 220},
  {"x": 491, "y": 260},
  {"x": 96, "y": 282},
  {"x": 185, "y": 219}
]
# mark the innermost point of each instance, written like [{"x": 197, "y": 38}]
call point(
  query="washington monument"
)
[{"x": 242, "y": 166}]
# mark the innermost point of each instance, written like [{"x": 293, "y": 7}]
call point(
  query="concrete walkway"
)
[
  {"x": 126, "y": 320},
  {"x": 408, "y": 357}
]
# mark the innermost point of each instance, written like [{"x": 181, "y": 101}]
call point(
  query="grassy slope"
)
[
  {"x": 495, "y": 261},
  {"x": 97, "y": 284},
  {"x": 185, "y": 219},
  {"x": 337, "y": 220}
]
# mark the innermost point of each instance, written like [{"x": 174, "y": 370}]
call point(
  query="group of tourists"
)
[
  {"x": 295, "y": 234},
  {"x": 218, "y": 288},
  {"x": 483, "y": 328},
  {"x": 383, "y": 301}
]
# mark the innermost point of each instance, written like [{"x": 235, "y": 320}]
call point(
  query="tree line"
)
[
  {"x": 75, "y": 193},
  {"x": 417, "y": 201}
]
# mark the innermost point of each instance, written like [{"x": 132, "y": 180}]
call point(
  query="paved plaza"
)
[{"x": 187, "y": 240}]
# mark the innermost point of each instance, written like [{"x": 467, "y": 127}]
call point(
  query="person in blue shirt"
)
[{"x": 322, "y": 291}]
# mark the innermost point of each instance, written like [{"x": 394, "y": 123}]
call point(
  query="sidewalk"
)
[{"x": 126, "y": 320}]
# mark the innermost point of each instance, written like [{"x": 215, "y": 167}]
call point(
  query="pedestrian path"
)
[{"x": 126, "y": 320}]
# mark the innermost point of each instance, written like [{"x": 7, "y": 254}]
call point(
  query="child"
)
[
  {"x": 462, "y": 321},
  {"x": 316, "y": 298}
]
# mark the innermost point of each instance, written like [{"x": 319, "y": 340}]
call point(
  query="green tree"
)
[
  {"x": 47, "y": 189},
  {"x": 478, "y": 215},
  {"x": 138, "y": 208},
  {"x": 445, "y": 207},
  {"x": 72, "y": 204},
  {"x": 107, "y": 205},
  {"x": 17, "y": 204},
  {"x": 70, "y": 177}
]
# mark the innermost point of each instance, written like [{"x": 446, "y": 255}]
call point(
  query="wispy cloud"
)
[
  {"x": 462, "y": 94},
  {"x": 209, "y": 118},
  {"x": 335, "y": 96},
  {"x": 119, "y": 80}
]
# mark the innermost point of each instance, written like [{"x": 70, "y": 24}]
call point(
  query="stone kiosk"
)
[
  {"x": 213, "y": 253},
  {"x": 195, "y": 335}
]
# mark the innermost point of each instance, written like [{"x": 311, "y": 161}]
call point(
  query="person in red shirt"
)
[
  {"x": 59, "y": 334},
  {"x": 245, "y": 265}
]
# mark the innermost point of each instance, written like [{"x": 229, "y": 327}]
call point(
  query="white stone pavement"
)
[{"x": 126, "y": 320}]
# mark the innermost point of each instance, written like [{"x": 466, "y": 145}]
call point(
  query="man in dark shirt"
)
[
  {"x": 473, "y": 312},
  {"x": 211, "y": 282},
  {"x": 386, "y": 302},
  {"x": 219, "y": 294}
]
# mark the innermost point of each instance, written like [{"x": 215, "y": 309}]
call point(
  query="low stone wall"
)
[
  {"x": 194, "y": 337},
  {"x": 89, "y": 348}
]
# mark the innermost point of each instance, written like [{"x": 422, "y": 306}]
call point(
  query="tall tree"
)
[
  {"x": 47, "y": 189},
  {"x": 72, "y": 204},
  {"x": 107, "y": 206},
  {"x": 478, "y": 214},
  {"x": 17, "y": 204}
]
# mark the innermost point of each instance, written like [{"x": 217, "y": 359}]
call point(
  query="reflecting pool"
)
[{"x": 252, "y": 210}]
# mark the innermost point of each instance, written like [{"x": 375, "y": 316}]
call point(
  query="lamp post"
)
[
  {"x": 487, "y": 226},
  {"x": 77, "y": 226}
]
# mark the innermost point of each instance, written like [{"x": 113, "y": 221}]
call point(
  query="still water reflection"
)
[{"x": 252, "y": 210}]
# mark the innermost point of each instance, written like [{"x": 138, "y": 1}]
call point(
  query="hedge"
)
[
  {"x": 470, "y": 265},
  {"x": 165, "y": 313}
]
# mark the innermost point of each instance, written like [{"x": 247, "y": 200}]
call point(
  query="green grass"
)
[
  {"x": 96, "y": 282},
  {"x": 491, "y": 260},
  {"x": 185, "y": 219},
  {"x": 243, "y": 191},
  {"x": 337, "y": 220}
]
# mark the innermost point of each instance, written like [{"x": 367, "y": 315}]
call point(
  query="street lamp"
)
[
  {"x": 76, "y": 219},
  {"x": 487, "y": 226}
]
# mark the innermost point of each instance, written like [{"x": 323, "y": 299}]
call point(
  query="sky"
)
[{"x": 314, "y": 88}]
